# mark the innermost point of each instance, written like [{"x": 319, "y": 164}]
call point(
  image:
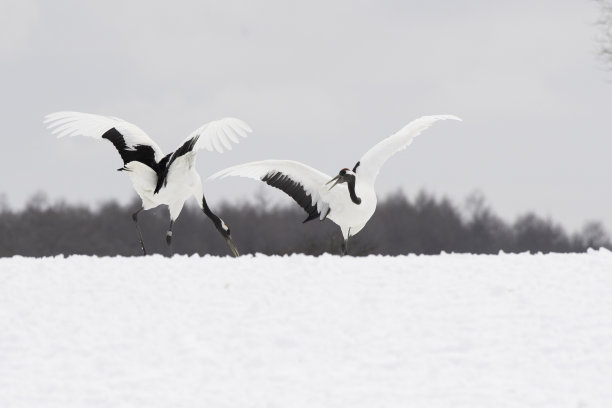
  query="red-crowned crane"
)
[
  {"x": 157, "y": 178},
  {"x": 352, "y": 203}
]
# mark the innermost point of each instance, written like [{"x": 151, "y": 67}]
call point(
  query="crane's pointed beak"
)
[
  {"x": 336, "y": 179},
  {"x": 232, "y": 246}
]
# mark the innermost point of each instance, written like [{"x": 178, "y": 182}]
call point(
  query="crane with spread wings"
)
[
  {"x": 351, "y": 204},
  {"x": 157, "y": 178}
]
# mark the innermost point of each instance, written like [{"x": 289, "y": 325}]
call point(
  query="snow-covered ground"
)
[{"x": 416, "y": 331}]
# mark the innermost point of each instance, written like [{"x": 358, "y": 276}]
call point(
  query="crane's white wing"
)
[
  {"x": 301, "y": 182},
  {"x": 215, "y": 134},
  {"x": 371, "y": 162},
  {"x": 218, "y": 135},
  {"x": 131, "y": 141}
]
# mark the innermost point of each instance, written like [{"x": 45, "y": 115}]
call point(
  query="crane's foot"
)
[{"x": 169, "y": 242}]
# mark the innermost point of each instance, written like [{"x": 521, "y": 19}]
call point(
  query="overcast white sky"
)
[{"x": 319, "y": 82}]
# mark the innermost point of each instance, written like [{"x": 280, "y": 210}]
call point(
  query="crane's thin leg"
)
[
  {"x": 135, "y": 218},
  {"x": 345, "y": 244},
  {"x": 169, "y": 238}
]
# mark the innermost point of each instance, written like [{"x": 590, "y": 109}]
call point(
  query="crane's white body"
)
[
  {"x": 336, "y": 204},
  {"x": 183, "y": 182},
  {"x": 351, "y": 218}
]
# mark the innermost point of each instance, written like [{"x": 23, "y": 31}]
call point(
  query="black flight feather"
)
[
  {"x": 141, "y": 153},
  {"x": 166, "y": 162},
  {"x": 295, "y": 190}
]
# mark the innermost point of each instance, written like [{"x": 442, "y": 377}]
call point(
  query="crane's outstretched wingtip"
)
[
  {"x": 53, "y": 116},
  {"x": 54, "y": 120},
  {"x": 451, "y": 117},
  {"x": 246, "y": 127},
  {"x": 249, "y": 170},
  {"x": 242, "y": 124},
  {"x": 50, "y": 117},
  {"x": 218, "y": 175},
  {"x": 429, "y": 119}
]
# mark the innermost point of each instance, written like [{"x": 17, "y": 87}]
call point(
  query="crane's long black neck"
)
[
  {"x": 351, "y": 187},
  {"x": 213, "y": 217},
  {"x": 220, "y": 226}
]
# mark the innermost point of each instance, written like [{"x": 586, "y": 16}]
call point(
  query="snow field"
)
[{"x": 412, "y": 331}]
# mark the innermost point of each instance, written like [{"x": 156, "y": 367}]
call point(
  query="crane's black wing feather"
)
[
  {"x": 141, "y": 153},
  {"x": 295, "y": 190},
  {"x": 166, "y": 162}
]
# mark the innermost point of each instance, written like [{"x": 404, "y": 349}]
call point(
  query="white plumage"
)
[
  {"x": 213, "y": 135},
  {"x": 353, "y": 201},
  {"x": 157, "y": 178},
  {"x": 87, "y": 124}
]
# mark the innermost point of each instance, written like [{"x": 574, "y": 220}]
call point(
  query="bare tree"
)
[
  {"x": 594, "y": 235},
  {"x": 604, "y": 37}
]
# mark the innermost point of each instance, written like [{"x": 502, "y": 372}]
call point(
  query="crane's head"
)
[
  {"x": 225, "y": 232},
  {"x": 344, "y": 176}
]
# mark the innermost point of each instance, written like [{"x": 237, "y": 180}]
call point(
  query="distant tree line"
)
[{"x": 424, "y": 225}]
